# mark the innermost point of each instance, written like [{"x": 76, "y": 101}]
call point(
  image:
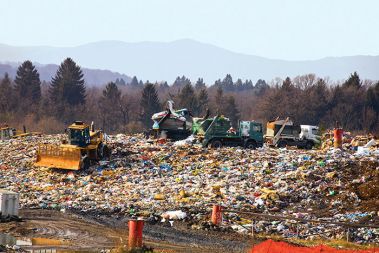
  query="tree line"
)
[{"x": 127, "y": 107}]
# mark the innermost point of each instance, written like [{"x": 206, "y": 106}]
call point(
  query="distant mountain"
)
[
  {"x": 93, "y": 77},
  {"x": 156, "y": 61}
]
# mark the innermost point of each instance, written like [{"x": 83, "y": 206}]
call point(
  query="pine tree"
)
[
  {"x": 164, "y": 86},
  {"x": 149, "y": 104},
  {"x": 200, "y": 84},
  {"x": 217, "y": 83},
  {"x": 260, "y": 87},
  {"x": 67, "y": 87},
  {"x": 202, "y": 101},
  {"x": 28, "y": 86},
  {"x": 122, "y": 82},
  {"x": 180, "y": 82},
  {"x": 231, "y": 111},
  {"x": 187, "y": 98},
  {"x": 219, "y": 99},
  {"x": 134, "y": 82},
  {"x": 348, "y": 103},
  {"x": 287, "y": 84},
  {"x": 372, "y": 97},
  {"x": 111, "y": 92},
  {"x": 227, "y": 83},
  {"x": 6, "y": 94},
  {"x": 354, "y": 81},
  {"x": 110, "y": 108},
  {"x": 239, "y": 85},
  {"x": 248, "y": 85}
]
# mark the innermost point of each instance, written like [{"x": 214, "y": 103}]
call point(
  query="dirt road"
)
[{"x": 95, "y": 232}]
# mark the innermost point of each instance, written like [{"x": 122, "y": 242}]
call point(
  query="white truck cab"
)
[{"x": 309, "y": 132}]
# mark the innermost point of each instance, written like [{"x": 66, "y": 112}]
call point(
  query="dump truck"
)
[
  {"x": 85, "y": 145},
  {"x": 174, "y": 124},
  {"x": 282, "y": 133},
  {"x": 217, "y": 132}
]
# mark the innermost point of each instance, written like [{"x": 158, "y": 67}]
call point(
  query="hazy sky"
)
[{"x": 285, "y": 29}]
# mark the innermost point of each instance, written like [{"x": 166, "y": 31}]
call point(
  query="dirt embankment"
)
[{"x": 94, "y": 233}]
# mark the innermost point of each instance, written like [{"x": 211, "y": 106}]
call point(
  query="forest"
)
[{"x": 118, "y": 106}]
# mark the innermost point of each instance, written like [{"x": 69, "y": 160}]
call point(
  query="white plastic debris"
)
[
  {"x": 174, "y": 215},
  {"x": 187, "y": 141}
]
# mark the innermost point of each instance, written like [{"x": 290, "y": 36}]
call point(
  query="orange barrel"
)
[
  {"x": 338, "y": 133},
  {"x": 216, "y": 214},
  {"x": 135, "y": 233}
]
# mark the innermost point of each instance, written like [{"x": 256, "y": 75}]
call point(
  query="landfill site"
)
[{"x": 199, "y": 186}]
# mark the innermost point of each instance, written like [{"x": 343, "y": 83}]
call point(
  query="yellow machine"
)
[
  {"x": 85, "y": 145},
  {"x": 7, "y": 133}
]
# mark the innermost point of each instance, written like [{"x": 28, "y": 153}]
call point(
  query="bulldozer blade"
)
[{"x": 52, "y": 156}]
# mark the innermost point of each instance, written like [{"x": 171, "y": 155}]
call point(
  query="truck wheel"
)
[
  {"x": 216, "y": 144},
  {"x": 282, "y": 144},
  {"x": 251, "y": 145},
  {"x": 309, "y": 145},
  {"x": 85, "y": 163}
]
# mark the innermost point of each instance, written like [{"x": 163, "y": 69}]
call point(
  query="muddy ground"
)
[{"x": 94, "y": 233}]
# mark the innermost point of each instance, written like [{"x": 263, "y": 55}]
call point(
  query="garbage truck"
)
[
  {"x": 282, "y": 133},
  {"x": 217, "y": 132},
  {"x": 174, "y": 124}
]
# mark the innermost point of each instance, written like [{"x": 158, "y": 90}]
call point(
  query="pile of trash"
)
[{"x": 183, "y": 180}]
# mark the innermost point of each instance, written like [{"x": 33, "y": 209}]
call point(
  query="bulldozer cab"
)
[{"x": 79, "y": 134}]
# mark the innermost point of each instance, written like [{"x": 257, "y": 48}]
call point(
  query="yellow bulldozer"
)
[
  {"x": 84, "y": 146},
  {"x": 7, "y": 133}
]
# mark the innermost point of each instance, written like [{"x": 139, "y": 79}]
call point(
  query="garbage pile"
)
[{"x": 145, "y": 178}]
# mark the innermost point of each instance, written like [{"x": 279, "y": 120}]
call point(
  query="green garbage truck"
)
[{"x": 217, "y": 132}]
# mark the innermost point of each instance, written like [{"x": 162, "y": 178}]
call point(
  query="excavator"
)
[{"x": 85, "y": 145}]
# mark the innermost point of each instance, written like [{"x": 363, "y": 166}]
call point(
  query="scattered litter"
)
[{"x": 145, "y": 178}]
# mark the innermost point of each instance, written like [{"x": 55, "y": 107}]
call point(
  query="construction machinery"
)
[
  {"x": 218, "y": 131},
  {"x": 84, "y": 146},
  {"x": 174, "y": 124},
  {"x": 6, "y": 132},
  {"x": 282, "y": 133}
]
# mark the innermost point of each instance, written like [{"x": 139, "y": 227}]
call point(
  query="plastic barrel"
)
[
  {"x": 216, "y": 214},
  {"x": 135, "y": 233},
  {"x": 338, "y": 133}
]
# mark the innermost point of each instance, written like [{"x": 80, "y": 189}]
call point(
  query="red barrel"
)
[
  {"x": 338, "y": 134},
  {"x": 216, "y": 214},
  {"x": 135, "y": 233}
]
